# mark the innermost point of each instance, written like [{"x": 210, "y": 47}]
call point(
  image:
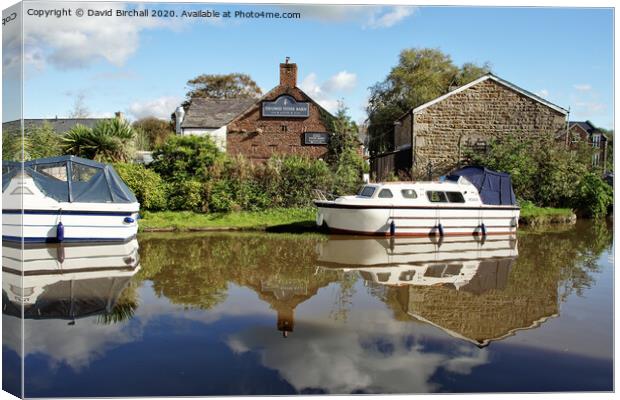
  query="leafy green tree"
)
[
  {"x": 343, "y": 154},
  {"x": 110, "y": 140},
  {"x": 224, "y": 86},
  {"x": 43, "y": 141},
  {"x": 421, "y": 75}
]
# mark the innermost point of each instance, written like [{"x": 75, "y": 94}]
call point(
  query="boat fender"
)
[
  {"x": 483, "y": 229},
  {"x": 392, "y": 228},
  {"x": 129, "y": 220},
  {"x": 319, "y": 219},
  {"x": 60, "y": 232},
  {"x": 440, "y": 229}
]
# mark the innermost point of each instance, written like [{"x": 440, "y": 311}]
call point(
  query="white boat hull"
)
[
  {"x": 417, "y": 221},
  {"x": 31, "y": 216},
  {"x": 41, "y": 226}
]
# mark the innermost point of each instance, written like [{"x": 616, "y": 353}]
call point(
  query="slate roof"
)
[
  {"x": 60, "y": 125},
  {"x": 214, "y": 113},
  {"x": 585, "y": 125}
]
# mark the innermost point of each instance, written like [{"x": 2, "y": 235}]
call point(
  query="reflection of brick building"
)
[
  {"x": 284, "y": 121},
  {"x": 586, "y": 132}
]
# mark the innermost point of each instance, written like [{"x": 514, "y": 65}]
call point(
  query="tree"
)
[
  {"x": 421, "y": 75},
  {"x": 155, "y": 131},
  {"x": 42, "y": 141},
  {"x": 226, "y": 86},
  {"x": 343, "y": 153},
  {"x": 110, "y": 140},
  {"x": 79, "y": 109}
]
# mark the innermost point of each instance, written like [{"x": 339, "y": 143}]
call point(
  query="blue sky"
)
[{"x": 140, "y": 66}]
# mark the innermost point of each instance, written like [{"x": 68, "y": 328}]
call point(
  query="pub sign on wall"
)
[
  {"x": 316, "y": 138},
  {"x": 286, "y": 106}
]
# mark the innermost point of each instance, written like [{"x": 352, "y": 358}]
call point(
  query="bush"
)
[
  {"x": 146, "y": 184},
  {"x": 186, "y": 195},
  {"x": 292, "y": 180},
  {"x": 549, "y": 175},
  {"x": 593, "y": 196},
  {"x": 185, "y": 157}
]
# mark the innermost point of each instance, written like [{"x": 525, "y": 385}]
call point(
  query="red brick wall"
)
[{"x": 259, "y": 138}]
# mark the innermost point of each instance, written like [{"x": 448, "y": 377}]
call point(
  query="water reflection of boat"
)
[
  {"x": 66, "y": 281},
  {"x": 460, "y": 286},
  {"x": 456, "y": 262}
]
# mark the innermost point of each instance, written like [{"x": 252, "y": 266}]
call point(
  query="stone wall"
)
[
  {"x": 258, "y": 138},
  {"x": 468, "y": 120}
]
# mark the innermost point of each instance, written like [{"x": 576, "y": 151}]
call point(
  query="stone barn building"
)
[
  {"x": 284, "y": 121},
  {"x": 433, "y": 138}
]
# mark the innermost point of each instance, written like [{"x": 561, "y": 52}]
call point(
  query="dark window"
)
[
  {"x": 409, "y": 194},
  {"x": 284, "y": 128},
  {"x": 385, "y": 194},
  {"x": 455, "y": 197},
  {"x": 367, "y": 191},
  {"x": 406, "y": 276},
  {"x": 383, "y": 276},
  {"x": 436, "y": 197}
]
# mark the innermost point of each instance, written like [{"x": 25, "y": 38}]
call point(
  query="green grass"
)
[
  {"x": 296, "y": 219},
  {"x": 533, "y": 215},
  {"x": 293, "y": 218}
]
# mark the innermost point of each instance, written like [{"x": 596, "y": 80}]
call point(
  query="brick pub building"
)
[{"x": 284, "y": 121}]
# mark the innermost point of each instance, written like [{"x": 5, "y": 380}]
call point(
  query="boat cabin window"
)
[
  {"x": 455, "y": 197},
  {"x": 436, "y": 197},
  {"x": 367, "y": 191},
  {"x": 409, "y": 194},
  {"x": 385, "y": 194}
]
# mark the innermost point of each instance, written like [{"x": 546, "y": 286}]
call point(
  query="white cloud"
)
[
  {"x": 590, "y": 107},
  {"x": 160, "y": 107},
  {"x": 542, "y": 93},
  {"x": 583, "y": 87},
  {"x": 343, "y": 80},
  {"x": 327, "y": 93},
  {"x": 74, "y": 42},
  {"x": 367, "y": 16},
  {"x": 386, "y": 19}
]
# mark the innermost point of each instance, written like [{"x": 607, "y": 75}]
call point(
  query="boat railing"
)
[{"x": 323, "y": 195}]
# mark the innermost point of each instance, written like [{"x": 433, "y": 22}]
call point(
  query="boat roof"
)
[{"x": 72, "y": 179}]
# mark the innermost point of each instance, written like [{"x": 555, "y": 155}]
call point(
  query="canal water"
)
[{"x": 257, "y": 313}]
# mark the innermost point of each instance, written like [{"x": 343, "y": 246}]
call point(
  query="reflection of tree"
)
[
  {"x": 124, "y": 307},
  {"x": 343, "y": 301},
  {"x": 194, "y": 269}
]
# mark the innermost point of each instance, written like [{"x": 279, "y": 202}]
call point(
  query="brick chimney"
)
[{"x": 288, "y": 74}]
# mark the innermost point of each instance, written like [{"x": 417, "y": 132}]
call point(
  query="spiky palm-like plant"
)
[{"x": 110, "y": 140}]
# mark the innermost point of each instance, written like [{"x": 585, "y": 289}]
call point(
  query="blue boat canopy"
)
[
  {"x": 72, "y": 179},
  {"x": 495, "y": 188}
]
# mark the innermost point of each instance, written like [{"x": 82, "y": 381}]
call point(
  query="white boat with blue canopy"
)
[
  {"x": 66, "y": 199},
  {"x": 469, "y": 201}
]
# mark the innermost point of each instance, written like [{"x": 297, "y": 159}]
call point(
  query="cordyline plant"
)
[{"x": 110, "y": 140}]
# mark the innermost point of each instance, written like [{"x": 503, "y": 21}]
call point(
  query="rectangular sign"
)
[
  {"x": 286, "y": 106},
  {"x": 316, "y": 138}
]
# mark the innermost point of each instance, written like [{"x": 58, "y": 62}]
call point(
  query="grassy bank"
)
[
  {"x": 295, "y": 219},
  {"x": 532, "y": 215},
  {"x": 301, "y": 219}
]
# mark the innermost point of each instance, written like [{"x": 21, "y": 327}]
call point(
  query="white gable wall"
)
[{"x": 218, "y": 135}]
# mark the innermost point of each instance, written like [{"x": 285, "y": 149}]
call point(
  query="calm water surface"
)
[{"x": 214, "y": 314}]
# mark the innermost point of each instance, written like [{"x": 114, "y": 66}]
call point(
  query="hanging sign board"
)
[
  {"x": 286, "y": 106},
  {"x": 316, "y": 138}
]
